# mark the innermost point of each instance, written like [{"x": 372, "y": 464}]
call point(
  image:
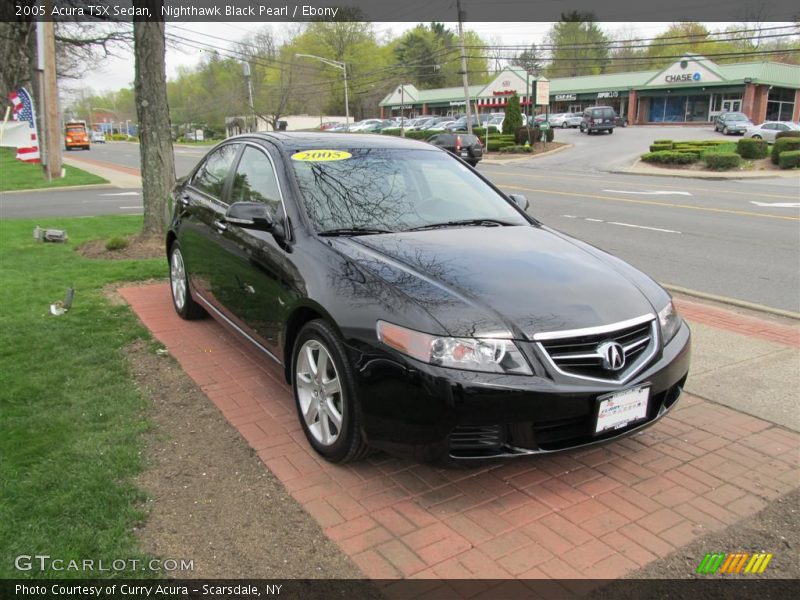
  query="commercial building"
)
[{"x": 689, "y": 91}]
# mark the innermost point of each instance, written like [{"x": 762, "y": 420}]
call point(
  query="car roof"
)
[{"x": 310, "y": 140}]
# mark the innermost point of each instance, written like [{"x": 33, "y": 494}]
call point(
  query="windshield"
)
[
  {"x": 396, "y": 190},
  {"x": 76, "y": 129},
  {"x": 736, "y": 117}
]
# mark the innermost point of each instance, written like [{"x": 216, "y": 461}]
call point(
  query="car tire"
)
[
  {"x": 725, "y": 131},
  {"x": 332, "y": 424},
  {"x": 473, "y": 163},
  {"x": 564, "y": 125},
  {"x": 610, "y": 131},
  {"x": 182, "y": 300},
  {"x": 756, "y": 137}
]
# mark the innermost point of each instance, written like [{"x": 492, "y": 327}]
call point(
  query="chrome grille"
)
[{"x": 577, "y": 352}]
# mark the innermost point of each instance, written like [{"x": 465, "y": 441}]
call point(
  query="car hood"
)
[{"x": 512, "y": 281}]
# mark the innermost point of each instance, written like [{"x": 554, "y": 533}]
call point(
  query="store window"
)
[
  {"x": 678, "y": 109},
  {"x": 780, "y": 104}
]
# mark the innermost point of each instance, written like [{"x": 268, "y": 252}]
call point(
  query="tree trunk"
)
[{"x": 152, "y": 111}]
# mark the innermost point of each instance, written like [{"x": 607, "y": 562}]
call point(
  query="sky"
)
[{"x": 117, "y": 72}]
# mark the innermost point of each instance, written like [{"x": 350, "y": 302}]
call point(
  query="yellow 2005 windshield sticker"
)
[{"x": 321, "y": 155}]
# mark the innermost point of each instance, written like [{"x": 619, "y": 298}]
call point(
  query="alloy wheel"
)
[
  {"x": 177, "y": 278},
  {"x": 319, "y": 392}
]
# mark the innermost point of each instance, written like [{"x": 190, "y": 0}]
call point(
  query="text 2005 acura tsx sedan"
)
[{"x": 415, "y": 307}]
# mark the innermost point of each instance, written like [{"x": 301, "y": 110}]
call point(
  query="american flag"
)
[{"x": 23, "y": 111}]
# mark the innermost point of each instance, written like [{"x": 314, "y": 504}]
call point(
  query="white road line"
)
[
  {"x": 121, "y": 194},
  {"x": 643, "y": 227},
  {"x": 777, "y": 204},
  {"x": 594, "y": 220},
  {"x": 653, "y": 193},
  {"x": 129, "y": 207}
]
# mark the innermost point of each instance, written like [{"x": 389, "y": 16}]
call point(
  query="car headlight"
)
[
  {"x": 670, "y": 322},
  {"x": 471, "y": 354},
  {"x": 69, "y": 139}
]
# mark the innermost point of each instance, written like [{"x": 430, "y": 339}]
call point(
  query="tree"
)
[
  {"x": 152, "y": 109},
  {"x": 513, "y": 118},
  {"x": 579, "y": 46},
  {"x": 529, "y": 59}
]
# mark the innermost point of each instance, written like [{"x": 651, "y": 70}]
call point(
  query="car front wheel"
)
[
  {"x": 182, "y": 299},
  {"x": 756, "y": 137},
  {"x": 325, "y": 394},
  {"x": 725, "y": 131}
]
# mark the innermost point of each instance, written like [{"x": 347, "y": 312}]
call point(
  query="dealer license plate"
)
[
  {"x": 620, "y": 409},
  {"x": 464, "y": 153}
]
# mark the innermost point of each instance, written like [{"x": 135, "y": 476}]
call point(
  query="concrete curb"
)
[
  {"x": 637, "y": 168},
  {"x": 732, "y": 301},
  {"x": 490, "y": 161}
]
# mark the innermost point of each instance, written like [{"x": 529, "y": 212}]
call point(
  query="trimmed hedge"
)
[
  {"x": 785, "y": 134},
  {"x": 784, "y": 144},
  {"x": 662, "y": 142},
  {"x": 789, "y": 159},
  {"x": 722, "y": 161},
  {"x": 752, "y": 148},
  {"x": 670, "y": 157},
  {"x": 494, "y": 146},
  {"x": 516, "y": 149},
  {"x": 660, "y": 147}
]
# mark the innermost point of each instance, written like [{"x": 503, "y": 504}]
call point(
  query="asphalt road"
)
[{"x": 738, "y": 238}]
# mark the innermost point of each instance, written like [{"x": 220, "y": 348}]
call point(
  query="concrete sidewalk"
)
[
  {"x": 728, "y": 449},
  {"x": 117, "y": 175}
]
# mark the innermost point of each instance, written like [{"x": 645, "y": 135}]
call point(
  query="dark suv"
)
[
  {"x": 598, "y": 118},
  {"x": 467, "y": 147}
]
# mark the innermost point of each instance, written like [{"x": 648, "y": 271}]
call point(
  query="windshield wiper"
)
[
  {"x": 353, "y": 231},
  {"x": 463, "y": 222}
]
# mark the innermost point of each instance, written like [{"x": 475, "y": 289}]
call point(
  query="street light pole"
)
[{"x": 338, "y": 65}]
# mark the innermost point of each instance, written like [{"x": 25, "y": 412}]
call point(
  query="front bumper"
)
[{"x": 432, "y": 413}]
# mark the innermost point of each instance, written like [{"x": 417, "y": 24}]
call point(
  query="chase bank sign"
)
[{"x": 683, "y": 77}]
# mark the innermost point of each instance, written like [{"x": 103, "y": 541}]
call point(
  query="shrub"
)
[
  {"x": 521, "y": 134},
  {"x": 494, "y": 146},
  {"x": 785, "y": 134},
  {"x": 722, "y": 161},
  {"x": 513, "y": 118},
  {"x": 516, "y": 149},
  {"x": 784, "y": 144},
  {"x": 660, "y": 147},
  {"x": 670, "y": 157},
  {"x": 116, "y": 243},
  {"x": 750, "y": 148},
  {"x": 550, "y": 134},
  {"x": 789, "y": 159},
  {"x": 663, "y": 142},
  {"x": 391, "y": 131}
]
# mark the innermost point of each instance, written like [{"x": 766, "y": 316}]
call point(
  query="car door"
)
[
  {"x": 205, "y": 201},
  {"x": 259, "y": 278}
]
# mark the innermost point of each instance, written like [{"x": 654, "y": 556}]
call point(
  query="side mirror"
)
[
  {"x": 250, "y": 215},
  {"x": 520, "y": 200}
]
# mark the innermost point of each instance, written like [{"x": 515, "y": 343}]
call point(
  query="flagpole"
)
[{"x": 5, "y": 120}]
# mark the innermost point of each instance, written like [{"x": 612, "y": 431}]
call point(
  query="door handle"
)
[{"x": 220, "y": 225}]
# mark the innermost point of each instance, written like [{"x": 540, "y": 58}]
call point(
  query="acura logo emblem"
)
[{"x": 613, "y": 355}]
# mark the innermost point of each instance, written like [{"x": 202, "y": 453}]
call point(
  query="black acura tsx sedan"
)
[{"x": 413, "y": 306}]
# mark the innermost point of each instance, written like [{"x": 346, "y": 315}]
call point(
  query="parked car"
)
[
  {"x": 440, "y": 126},
  {"x": 732, "y": 122},
  {"x": 98, "y": 137},
  {"x": 413, "y": 306},
  {"x": 367, "y": 125},
  {"x": 574, "y": 120},
  {"x": 465, "y": 146},
  {"x": 559, "y": 120},
  {"x": 495, "y": 124},
  {"x": 769, "y": 129},
  {"x": 327, "y": 125},
  {"x": 598, "y": 118},
  {"x": 620, "y": 121},
  {"x": 477, "y": 121}
]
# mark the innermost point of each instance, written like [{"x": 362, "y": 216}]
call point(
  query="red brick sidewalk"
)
[{"x": 597, "y": 513}]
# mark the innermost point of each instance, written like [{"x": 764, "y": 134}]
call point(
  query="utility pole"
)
[
  {"x": 402, "y": 108},
  {"x": 464, "y": 67},
  {"x": 246, "y": 71},
  {"x": 52, "y": 127}
]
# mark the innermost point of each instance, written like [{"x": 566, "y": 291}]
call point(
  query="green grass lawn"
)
[
  {"x": 71, "y": 419},
  {"x": 18, "y": 175}
]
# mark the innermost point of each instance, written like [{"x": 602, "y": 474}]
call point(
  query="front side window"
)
[
  {"x": 254, "y": 180},
  {"x": 210, "y": 177},
  {"x": 396, "y": 190}
]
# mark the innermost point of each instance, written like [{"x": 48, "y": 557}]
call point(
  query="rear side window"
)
[
  {"x": 468, "y": 140},
  {"x": 255, "y": 180},
  {"x": 210, "y": 177}
]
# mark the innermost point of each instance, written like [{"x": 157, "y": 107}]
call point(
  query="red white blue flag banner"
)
[{"x": 24, "y": 111}]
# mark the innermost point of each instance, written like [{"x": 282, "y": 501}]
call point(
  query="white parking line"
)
[
  {"x": 643, "y": 227},
  {"x": 777, "y": 204},
  {"x": 121, "y": 194},
  {"x": 659, "y": 229},
  {"x": 653, "y": 193},
  {"x": 129, "y": 207}
]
